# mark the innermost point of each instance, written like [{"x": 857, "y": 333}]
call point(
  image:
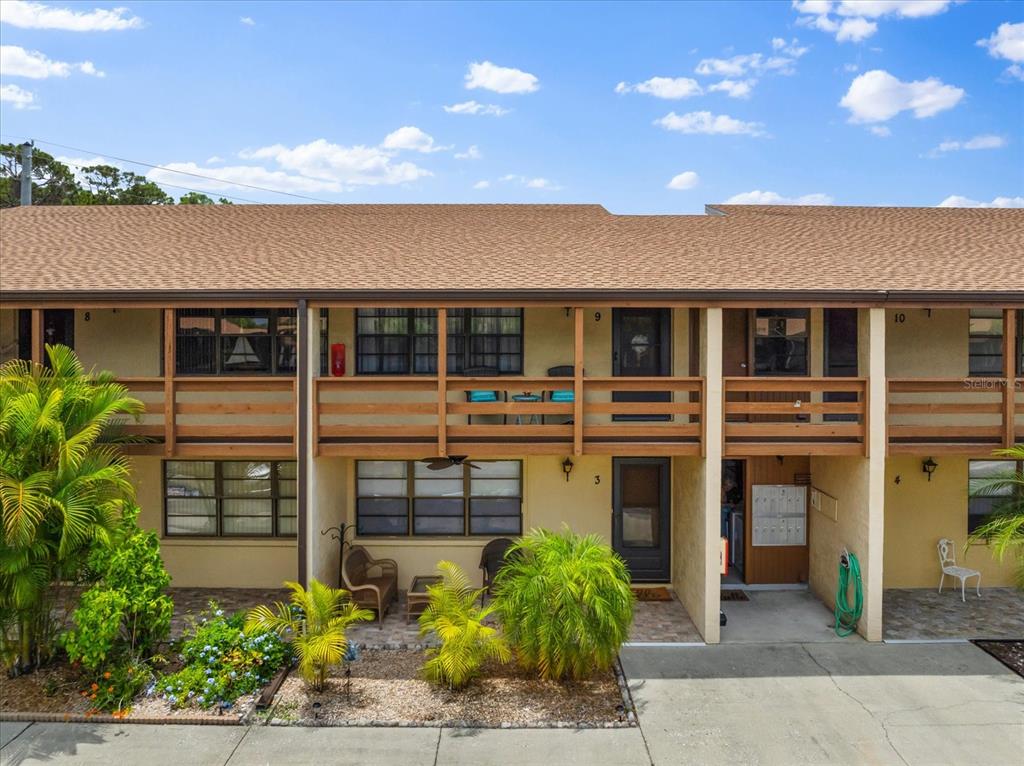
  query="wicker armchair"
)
[
  {"x": 371, "y": 592},
  {"x": 492, "y": 559}
]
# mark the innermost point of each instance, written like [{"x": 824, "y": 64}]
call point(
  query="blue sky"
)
[{"x": 882, "y": 102}]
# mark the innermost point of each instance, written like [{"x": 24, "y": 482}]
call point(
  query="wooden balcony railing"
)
[
  {"x": 214, "y": 416},
  {"x": 797, "y": 415},
  {"x": 372, "y": 416},
  {"x": 954, "y": 414}
]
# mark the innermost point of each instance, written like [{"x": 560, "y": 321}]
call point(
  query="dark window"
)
[
  {"x": 401, "y": 498},
  {"x": 207, "y": 498},
  {"x": 780, "y": 341},
  {"x": 404, "y": 341},
  {"x": 983, "y": 502},
  {"x": 240, "y": 341},
  {"x": 986, "y": 343}
]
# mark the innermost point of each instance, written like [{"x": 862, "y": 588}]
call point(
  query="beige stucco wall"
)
[
  {"x": 689, "y": 554},
  {"x": 220, "y": 563},
  {"x": 584, "y": 503},
  {"x": 926, "y": 346},
  {"x": 918, "y": 513},
  {"x": 846, "y": 479},
  {"x": 123, "y": 341}
]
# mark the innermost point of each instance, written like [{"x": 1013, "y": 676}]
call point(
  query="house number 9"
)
[{"x": 597, "y": 316}]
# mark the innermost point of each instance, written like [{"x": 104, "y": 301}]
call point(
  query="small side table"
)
[
  {"x": 417, "y": 598},
  {"x": 532, "y": 419}
]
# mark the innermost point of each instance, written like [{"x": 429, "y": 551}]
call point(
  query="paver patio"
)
[{"x": 926, "y": 614}]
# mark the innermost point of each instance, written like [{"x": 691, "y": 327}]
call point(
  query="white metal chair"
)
[{"x": 947, "y": 561}]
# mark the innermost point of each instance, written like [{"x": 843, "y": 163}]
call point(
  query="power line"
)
[
  {"x": 171, "y": 186},
  {"x": 182, "y": 172}
]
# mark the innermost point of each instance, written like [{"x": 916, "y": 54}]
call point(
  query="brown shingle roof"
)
[{"x": 507, "y": 249}]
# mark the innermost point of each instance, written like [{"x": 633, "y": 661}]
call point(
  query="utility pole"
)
[{"x": 26, "y": 173}]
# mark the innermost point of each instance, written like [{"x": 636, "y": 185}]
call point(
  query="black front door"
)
[
  {"x": 641, "y": 347},
  {"x": 841, "y": 355},
  {"x": 641, "y": 531}
]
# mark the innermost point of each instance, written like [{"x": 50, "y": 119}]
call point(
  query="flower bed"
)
[{"x": 388, "y": 689}]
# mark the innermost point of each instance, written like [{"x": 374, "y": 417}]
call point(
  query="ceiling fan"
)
[{"x": 441, "y": 463}]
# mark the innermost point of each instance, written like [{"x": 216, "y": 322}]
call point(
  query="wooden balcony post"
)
[
  {"x": 1010, "y": 331},
  {"x": 170, "y": 366},
  {"x": 442, "y": 382},
  {"x": 577, "y": 383},
  {"x": 38, "y": 351}
]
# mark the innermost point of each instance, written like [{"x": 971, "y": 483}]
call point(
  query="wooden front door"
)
[
  {"x": 641, "y": 516},
  {"x": 641, "y": 347}
]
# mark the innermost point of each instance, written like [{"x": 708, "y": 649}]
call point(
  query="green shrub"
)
[
  {"x": 114, "y": 689},
  {"x": 565, "y": 603},
  {"x": 453, "y": 615},
  {"x": 126, "y": 614},
  {"x": 316, "y": 619},
  {"x": 222, "y": 661}
]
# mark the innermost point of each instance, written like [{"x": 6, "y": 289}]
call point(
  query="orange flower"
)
[
  {"x": 110, "y": 689},
  {"x": 92, "y": 696},
  {"x": 94, "y": 687},
  {"x": 85, "y": 694},
  {"x": 130, "y": 671},
  {"x": 107, "y": 674}
]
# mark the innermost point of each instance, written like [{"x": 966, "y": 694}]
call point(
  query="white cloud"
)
[
  {"x": 226, "y": 178},
  {"x": 347, "y": 166},
  {"x": 247, "y": 21},
  {"x": 412, "y": 139},
  {"x": 907, "y": 9},
  {"x": 758, "y": 197},
  {"x": 475, "y": 107},
  {"x": 663, "y": 87},
  {"x": 78, "y": 165},
  {"x": 855, "y": 30},
  {"x": 19, "y": 98},
  {"x": 29, "y": 15},
  {"x": 1007, "y": 42},
  {"x": 214, "y": 160},
  {"x": 472, "y": 153},
  {"x": 850, "y": 67},
  {"x": 18, "y": 62},
  {"x": 958, "y": 201},
  {"x": 706, "y": 122},
  {"x": 685, "y": 180},
  {"x": 881, "y": 131},
  {"x": 482, "y": 185},
  {"x": 737, "y": 66},
  {"x": 500, "y": 79},
  {"x": 855, "y": 23},
  {"x": 734, "y": 88},
  {"x": 877, "y": 96},
  {"x": 530, "y": 183},
  {"x": 985, "y": 141}
]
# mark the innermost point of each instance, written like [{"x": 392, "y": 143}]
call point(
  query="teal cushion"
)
[
  {"x": 483, "y": 396},
  {"x": 562, "y": 396}
]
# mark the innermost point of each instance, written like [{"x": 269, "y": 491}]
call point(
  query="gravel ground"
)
[
  {"x": 387, "y": 688},
  {"x": 1010, "y": 653}
]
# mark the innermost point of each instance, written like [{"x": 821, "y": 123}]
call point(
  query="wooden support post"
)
[
  {"x": 442, "y": 382},
  {"x": 38, "y": 351},
  {"x": 577, "y": 382},
  {"x": 170, "y": 367},
  {"x": 1010, "y": 331}
]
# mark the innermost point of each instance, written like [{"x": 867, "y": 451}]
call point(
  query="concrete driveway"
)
[
  {"x": 783, "y": 704},
  {"x": 848, "y": 703}
]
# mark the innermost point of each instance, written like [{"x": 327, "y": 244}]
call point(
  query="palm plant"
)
[
  {"x": 453, "y": 614},
  {"x": 1004, "y": 529},
  {"x": 315, "y": 620},
  {"x": 565, "y": 603},
  {"x": 62, "y": 491}
]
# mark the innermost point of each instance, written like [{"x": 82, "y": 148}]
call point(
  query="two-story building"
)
[{"x": 793, "y": 380}]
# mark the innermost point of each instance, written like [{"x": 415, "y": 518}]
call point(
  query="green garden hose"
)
[{"x": 847, "y": 616}]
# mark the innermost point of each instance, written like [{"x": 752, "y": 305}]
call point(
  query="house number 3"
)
[{"x": 597, "y": 478}]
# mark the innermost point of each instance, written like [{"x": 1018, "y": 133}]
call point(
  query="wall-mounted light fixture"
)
[
  {"x": 567, "y": 466},
  {"x": 929, "y": 466}
]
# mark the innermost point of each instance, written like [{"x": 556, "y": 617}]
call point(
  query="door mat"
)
[
  {"x": 734, "y": 595},
  {"x": 652, "y": 594}
]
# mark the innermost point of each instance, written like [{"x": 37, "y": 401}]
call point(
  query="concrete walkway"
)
[{"x": 765, "y": 704}]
